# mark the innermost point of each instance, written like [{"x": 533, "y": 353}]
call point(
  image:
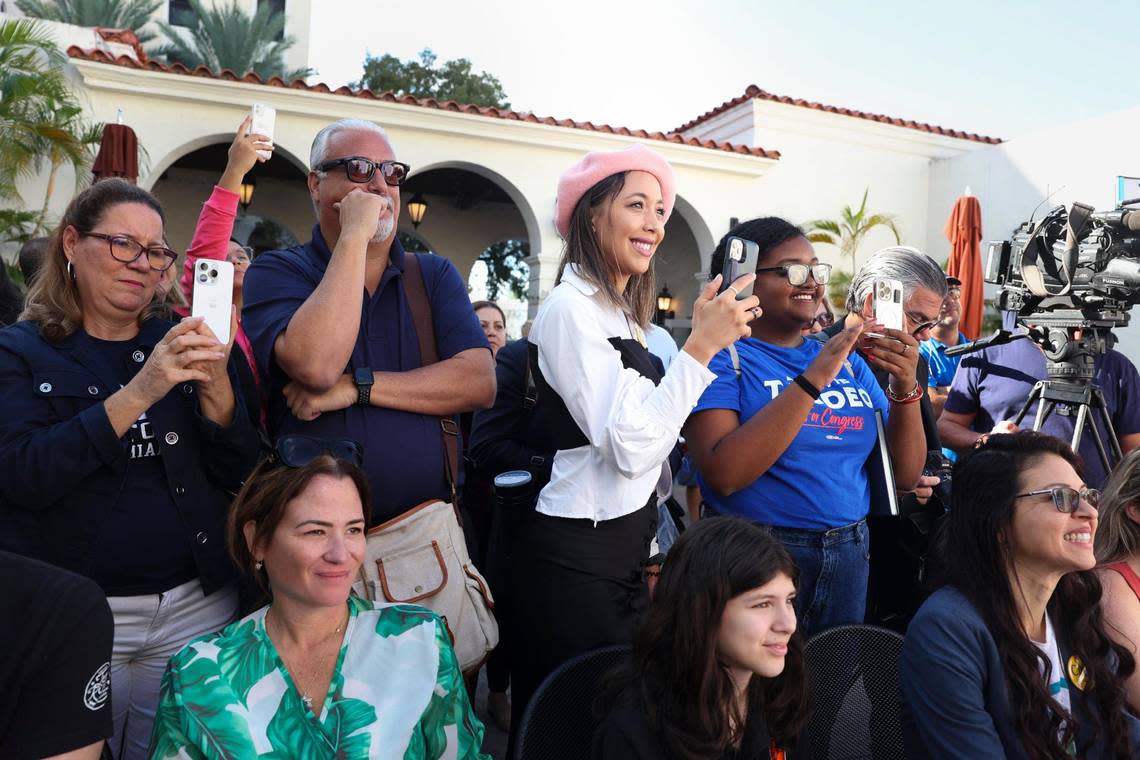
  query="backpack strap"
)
[
  {"x": 735, "y": 359},
  {"x": 418, "y": 302}
]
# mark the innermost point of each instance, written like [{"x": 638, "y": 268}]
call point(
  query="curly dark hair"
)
[
  {"x": 675, "y": 669},
  {"x": 976, "y": 563},
  {"x": 766, "y": 231}
]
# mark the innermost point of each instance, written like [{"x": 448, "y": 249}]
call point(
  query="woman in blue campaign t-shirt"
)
[{"x": 785, "y": 440}]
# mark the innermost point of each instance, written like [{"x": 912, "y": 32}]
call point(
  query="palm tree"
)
[
  {"x": 40, "y": 118},
  {"x": 847, "y": 234},
  {"x": 226, "y": 37},
  {"x": 114, "y": 14}
]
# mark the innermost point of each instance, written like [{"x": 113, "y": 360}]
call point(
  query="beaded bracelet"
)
[{"x": 914, "y": 395}]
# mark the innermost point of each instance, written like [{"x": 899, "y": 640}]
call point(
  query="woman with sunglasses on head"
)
[
  {"x": 213, "y": 240},
  {"x": 782, "y": 435},
  {"x": 717, "y": 668},
  {"x": 1010, "y": 658},
  {"x": 121, "y": 435},
  {"x": 1118, "y": 553},
  {"x": 317, "y": 672},
  {"x": 613, "y": 416}
]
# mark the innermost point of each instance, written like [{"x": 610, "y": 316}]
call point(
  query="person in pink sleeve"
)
[{"x": 212, "y": 240}]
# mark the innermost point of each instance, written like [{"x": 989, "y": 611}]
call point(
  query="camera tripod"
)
[{"x": 1084, "y": 397}]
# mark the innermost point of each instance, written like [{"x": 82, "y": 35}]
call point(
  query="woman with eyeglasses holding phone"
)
[
  {"x": 317, "y": 672},
  {"x": 782, "y": 435},
  {"x": 213, "y": 240},
  {"x": 120, "y": 436},
  {"x": 1010, "y": 657}
]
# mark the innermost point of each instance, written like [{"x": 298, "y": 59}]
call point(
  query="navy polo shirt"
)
[{"x": 403, "y": 452}]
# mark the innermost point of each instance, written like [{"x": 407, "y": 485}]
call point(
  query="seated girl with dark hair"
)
[
  {"x": 717, "y": 666},
  {"x": 1010, "y": 657}
]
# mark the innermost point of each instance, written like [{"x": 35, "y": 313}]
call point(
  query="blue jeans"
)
[{"x": 834, "y": 566}]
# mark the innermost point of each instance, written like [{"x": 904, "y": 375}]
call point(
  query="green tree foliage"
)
[
  {"x": 507, "y": 268},
  {"x": 848, "y": 231},
  {"x": 451, "y": 80},
  {"x": 226, "y": 37},
  {"x": 114, "y": 14},
  {"x": 41, "y": 121}
]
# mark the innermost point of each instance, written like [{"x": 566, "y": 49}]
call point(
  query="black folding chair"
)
[
  {"x": 853, "y": 694},
  {"x": 559, "y": 722}
]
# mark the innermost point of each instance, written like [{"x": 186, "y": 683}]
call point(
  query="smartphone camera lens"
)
[
  {"x": 203, "y": 266},
  {"x": 202, "y": 278},
  {"x": 213, "y": 272}
]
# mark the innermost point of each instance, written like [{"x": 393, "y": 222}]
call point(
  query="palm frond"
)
[
  {"x": 823, "y": 237},
  {"x": 822, "y": 225},
  {"x": 884, "y": 220}
]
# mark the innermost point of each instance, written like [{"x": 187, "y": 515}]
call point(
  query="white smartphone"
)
[
  {"x": 264, "y": 119},
  {"x": 888, "y": 299},
  {"x": 214, "y": 295}
]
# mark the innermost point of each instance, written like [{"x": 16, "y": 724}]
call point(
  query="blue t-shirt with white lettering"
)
[{"x": 819, "y": 482}]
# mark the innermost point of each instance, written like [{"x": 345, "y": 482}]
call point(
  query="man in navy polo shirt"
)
[
  {"x": 993, "y": 384},
  {"x": 333, "y": 333}
]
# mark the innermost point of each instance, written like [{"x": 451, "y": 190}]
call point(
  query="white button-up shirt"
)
[{"x": 631, "y": 424}]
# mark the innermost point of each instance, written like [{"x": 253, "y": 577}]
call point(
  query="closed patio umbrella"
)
[
  {"x": 118, "y": 154},
  {"x": 964, "y": 231}
]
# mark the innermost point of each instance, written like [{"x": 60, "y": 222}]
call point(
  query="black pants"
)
[{"x": 578, "y": 587}]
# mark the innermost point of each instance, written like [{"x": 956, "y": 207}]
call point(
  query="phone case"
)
[
  {"x": 213, "y": 295},
  {"x": 264, "y": 119},
  {"x": 740, "y": 257},
  {"x": 889, "y": 303}
]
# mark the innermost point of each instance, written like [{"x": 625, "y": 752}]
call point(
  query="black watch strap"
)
[{"x": 363, "y": 379}]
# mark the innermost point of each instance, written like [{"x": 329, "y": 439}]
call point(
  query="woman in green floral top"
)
[{"x": 318, "y": 673}]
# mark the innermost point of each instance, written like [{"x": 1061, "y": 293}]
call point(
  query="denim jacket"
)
[{"x": 64, "y": 467}]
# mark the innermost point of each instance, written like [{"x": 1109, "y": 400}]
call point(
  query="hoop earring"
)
[
  {"x": 258, "y": 565},
  {"x": 70, "y": 271}
]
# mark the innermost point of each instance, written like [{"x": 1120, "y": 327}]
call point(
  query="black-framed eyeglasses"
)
[
  {"x": 1067, "y": 500},
  {"x": 360, "y": 169},
  {"x": 797, "y": 274},
  {"x": 298, "y": 450},
  {"x": 127, "y": 250},
  {"x": 922, "y": 325}
]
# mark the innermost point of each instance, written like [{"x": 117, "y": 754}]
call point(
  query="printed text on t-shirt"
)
[{"x": 847, "y": 395}]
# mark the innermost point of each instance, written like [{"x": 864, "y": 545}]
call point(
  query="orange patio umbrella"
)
[{"x": 964, "y": 231}]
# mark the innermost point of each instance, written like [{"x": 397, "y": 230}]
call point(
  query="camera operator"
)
[{"x": 992, "y": 385}]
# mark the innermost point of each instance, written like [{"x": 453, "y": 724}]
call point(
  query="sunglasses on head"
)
[
  {"x": 1065, "y": 499},
  {"x": 797, "y": 274},
  {"x": 360, "y": 169},
  {"x": 299, "y": 450}
]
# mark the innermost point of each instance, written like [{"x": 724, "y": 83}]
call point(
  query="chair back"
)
[
  {"x": 559, "y": 722},
  {"x": 853, "y": 695}
]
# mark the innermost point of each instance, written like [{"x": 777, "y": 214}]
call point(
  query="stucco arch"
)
[
  {"x": 158, "y": 168},
  {"x": 701, "y": 233},
  {"x": 530, "y": 221}
]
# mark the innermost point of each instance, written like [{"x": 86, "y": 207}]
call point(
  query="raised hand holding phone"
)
[{"x": 740, "y": 258}]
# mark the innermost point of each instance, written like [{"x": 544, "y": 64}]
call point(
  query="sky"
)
[{"x": 998, "y": 68}]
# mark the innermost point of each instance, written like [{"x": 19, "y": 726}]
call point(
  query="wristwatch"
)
[{"x": 362, "y": 376}]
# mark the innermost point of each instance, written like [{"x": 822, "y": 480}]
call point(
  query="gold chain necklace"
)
[{"x": 304, "y": 686}]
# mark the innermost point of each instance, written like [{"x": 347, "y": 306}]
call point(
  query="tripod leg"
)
[
  {"x": 1034, "y": 395},
  {"x": 1079, "y": 429}
]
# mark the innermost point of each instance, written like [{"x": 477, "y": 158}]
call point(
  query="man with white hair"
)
[{"x": 332, "y": 328}]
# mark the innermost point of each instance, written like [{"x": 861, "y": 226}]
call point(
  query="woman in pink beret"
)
[{"x": 614, "y": 417}]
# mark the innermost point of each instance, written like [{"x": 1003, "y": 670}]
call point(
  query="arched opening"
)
[
  {"x": 280, "y": 200},
  {"x": 478, "y": 220},
  {"x": 681, "y": 257}
]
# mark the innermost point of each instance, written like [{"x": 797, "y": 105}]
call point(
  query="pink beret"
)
[{"x": 596, "y": 166}]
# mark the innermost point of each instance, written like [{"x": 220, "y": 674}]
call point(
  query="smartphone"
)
[
  {"x": 888, "y": 299},
  {"x": 740, "y": 257},
  {"x": 264, "y": 119},
  {"x": 214, "y": 295}
]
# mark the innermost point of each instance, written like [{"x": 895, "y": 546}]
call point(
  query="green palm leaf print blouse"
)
[{"x": 396, "y": 692}]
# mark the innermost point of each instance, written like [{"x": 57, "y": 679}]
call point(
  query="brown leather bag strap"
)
[{"x": 418, "y": 302}]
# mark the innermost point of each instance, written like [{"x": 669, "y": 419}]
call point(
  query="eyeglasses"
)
[
  {"x": 954, "y": 292},
  {"x": 243, "y": 258},
  {"x": 299, "y": 450},
  {"x": 823, "y": 319},
  {"x": 797, "y": 274},
  {"x": 1067, "y": 500},
  {"x": 127, "y": 250},
  {"x": 922, "y": 322},
  {"x": 360, "y": 169}
]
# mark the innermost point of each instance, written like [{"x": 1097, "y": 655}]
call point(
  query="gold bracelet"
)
[{"x": 914, "y": 395}]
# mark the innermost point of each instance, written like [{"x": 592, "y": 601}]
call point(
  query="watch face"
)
[{"x": 363, "y": 376}]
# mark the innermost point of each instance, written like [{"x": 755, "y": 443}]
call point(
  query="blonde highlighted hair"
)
[
  {"x": 1118, "y": 535},
  {"x": 53, "y": 300}
]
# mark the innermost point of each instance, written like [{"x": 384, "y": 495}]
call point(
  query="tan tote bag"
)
[{"x": 420, "y": 557}]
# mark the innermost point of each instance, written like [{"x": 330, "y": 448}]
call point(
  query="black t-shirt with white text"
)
[{"x": 56, "y": 631}]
